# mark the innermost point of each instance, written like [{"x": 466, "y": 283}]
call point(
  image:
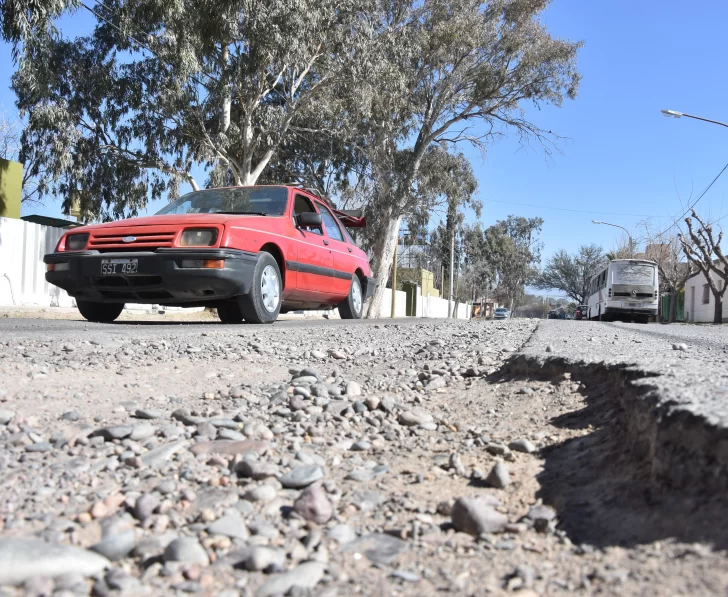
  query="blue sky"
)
[{"x": 621, "y": 155}]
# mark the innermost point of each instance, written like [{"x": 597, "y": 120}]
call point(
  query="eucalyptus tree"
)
[
  {"x": 450, "y": 71},
  {"x": 158, "y": 89}
]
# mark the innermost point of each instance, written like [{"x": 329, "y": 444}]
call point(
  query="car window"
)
[
  {"x": 332, "y": 227},
  {"x": 301, "y": 205}
]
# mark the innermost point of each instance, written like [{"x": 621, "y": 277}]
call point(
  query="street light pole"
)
[
  {"x": 629, "y": 236},
  {"x": 676, "y": 114}
]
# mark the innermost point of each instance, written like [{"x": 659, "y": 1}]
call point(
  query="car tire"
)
[
  {"x": 353, "y": 306},
  {"x": 263, "y": 303},
  {"x": 99, "y": 312},
  {"x": 230, "y": 312}
]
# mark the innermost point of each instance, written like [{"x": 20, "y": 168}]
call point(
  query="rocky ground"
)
[{"x": 326, "y": 459}]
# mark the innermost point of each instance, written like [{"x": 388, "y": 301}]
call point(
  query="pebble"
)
[
  {"x": 498, "y": 476},
  {"x": 681, "y": 346},
  {"x": 303, "y": 576},
  {"x": 313, "y": 505},
  {"x": 116, "y": 547},
  {"x": 186, "y": 550},
  {"x": 379, "y": 548},
  {"x": 230, "y": 525},
  {"x": 262, "y": 558},
  {"x": 21, "y": 559},
  {"x": 353, "y": 389},
  {"x": 414, "y": 417},
  {"x": 301, "y": 477},
  {"x": 476, "y": 516},
  {"x": 147, "y": 413},
  {"x": 262, "y": 493},
  {"x": 145, "y": 506},
  {"x": 522, "y": 445},
  {"x": 39, "y": 447},
  {"x": 256, "y": 469}
]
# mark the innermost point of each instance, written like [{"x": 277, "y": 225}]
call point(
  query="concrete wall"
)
[
  {"x": 696, "y": 310},
  {"x": 22, "y": 271}
]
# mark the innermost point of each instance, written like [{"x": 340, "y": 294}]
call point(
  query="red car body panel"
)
[{"x": 317, "y": 269}]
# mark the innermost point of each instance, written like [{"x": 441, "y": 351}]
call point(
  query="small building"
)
[{"x": 699, "y": 300}]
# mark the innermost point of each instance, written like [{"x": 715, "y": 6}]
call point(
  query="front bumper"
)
[{"x": 160, "y": 278}]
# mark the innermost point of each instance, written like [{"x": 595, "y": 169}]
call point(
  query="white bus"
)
[{"x": 626, "y": 290}]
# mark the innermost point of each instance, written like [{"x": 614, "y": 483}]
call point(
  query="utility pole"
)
[
  {"x": 394, "y": 278},
  {"x": 452, "y": 271}
]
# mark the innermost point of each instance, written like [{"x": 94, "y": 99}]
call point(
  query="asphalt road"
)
[{"x": 13, "y": 328}]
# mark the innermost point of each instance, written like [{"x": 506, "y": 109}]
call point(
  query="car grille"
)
[
  {"x": 143, "y": 241},
  {"x": 641, "y": 295}
]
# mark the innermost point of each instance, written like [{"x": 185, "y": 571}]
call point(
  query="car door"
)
[
  {"x": 341, "y": 250},
  {"x": 314, "y": 262}
]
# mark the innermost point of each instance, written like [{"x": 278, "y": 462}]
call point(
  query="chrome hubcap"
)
[
  {"x": 356, "y": 294},
  {"x": 270, "y": 288}
]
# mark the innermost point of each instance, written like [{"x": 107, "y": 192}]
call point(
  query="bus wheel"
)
[{"x": 642, "y": 319}]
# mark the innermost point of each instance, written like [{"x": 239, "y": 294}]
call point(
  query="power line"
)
[
  {"x": 712, "y": 182},
  {"x": 582, "y": 211}
]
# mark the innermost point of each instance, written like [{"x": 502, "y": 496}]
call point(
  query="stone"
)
[
  {"x": 39, "y": 447},
  {"x": 116, "y": 547},
  {"x": 148, "y": 413},
  {"x": 262, "y": 558},
  {"x": 145, "y": 506},
  {"x": 682, "y": 347},
  {"x": 255, "y": 469},
  {"x": 405, "y": 575},
  {"x": 549, "y": 348},
  {"x": 436, "y": 383},
  {"x": 522, "y": 445},
  {"x": 301, "y": 477},
  {"x": 230, "y": 434},
  {"x": 498, "y": 476},
  {"x": 186, "y": 550},
  {"x": 343, "y": 533},
  {"x": 141, "y": 432},
  {"x": 372, "y": 402},
  {"x": 526, "y": 390},
  {"x": 158, "y": 456},
  {"x": 40, "y": 586},
  {"x": 379, "y": 548},
  {"x": 313, "y": 505},
  {"x": 112, "y": 433},
  {"x": 23, "y": 559},
  {"x": 414, "y": 417},
  {"x": 543, "y": 517},
  {"x": 6, "y": 416},
  {"x": 353, "y": 389},
  {"x": 361, "y": 446},
  {"x": 230, "y": 448},
  {"x": 476, "y": 516},
  {"x": 230, "y": 525},
  {"x": 367, "y": 499},
  {"x": 262, "y": 493},
  {"x": 303, "y": 576}
]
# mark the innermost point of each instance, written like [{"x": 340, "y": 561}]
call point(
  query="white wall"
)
[
  {"x": 22, "y": 271},
  {"x": 701, "y": 312}
]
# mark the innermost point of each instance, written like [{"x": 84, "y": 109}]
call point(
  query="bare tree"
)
[
  {"x": 700, "y": 248},
  {"x": 674, "y": 268}
]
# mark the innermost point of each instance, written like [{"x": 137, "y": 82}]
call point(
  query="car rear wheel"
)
[
  {"x": 353, "y": 305},
  {"x": 263, "y": 303},
  {"x": 100, "y": 312},
  {"x": 230, "y": 312}
]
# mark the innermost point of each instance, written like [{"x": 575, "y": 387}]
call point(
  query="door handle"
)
[
  {"x": 326, "y": 242},
  {"x": 350, "y": 249}
]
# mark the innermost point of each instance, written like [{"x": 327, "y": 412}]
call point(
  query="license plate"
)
[{"x": 119, "y": 266}]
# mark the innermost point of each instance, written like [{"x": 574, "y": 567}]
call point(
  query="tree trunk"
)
[
  {"x": 383, "y": 256},
  {"x": 673, "y": 306},
  {"x": 718, "y": 313}
]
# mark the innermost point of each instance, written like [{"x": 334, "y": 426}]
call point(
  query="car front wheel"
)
[
  {"x": 100, "y": 312},
  {"x": 230, "y": 312},
  {"x": 352, "y": 306},
  {"x": 263, "y": 303}
]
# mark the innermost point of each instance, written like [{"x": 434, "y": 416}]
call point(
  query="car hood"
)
[{"x": 172, "y": 220}]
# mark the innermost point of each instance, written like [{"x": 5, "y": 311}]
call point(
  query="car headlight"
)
[
  {"x": 198, "y": 237},
  {"x": 76, "y": 242}
]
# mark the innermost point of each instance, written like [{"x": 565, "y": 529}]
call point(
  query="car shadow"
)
[{"x": 604, "y": 487}]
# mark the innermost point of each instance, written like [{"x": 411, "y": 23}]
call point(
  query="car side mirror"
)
[{"x": 309, "y": 219}]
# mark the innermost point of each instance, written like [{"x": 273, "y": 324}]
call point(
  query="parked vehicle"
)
[
  {"x": 582, "y": 312},
  {"x": 250, "y": 252},
  {"x": 501, "y": 313},
  {"x": 553, "y": 314},
  {"x": 626, "y": 289}
]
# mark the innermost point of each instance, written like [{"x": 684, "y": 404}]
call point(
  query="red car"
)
[{"x": 251, "y": 252}]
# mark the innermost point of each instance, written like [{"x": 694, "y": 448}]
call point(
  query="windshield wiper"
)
[{"x": 245, "y": 213}]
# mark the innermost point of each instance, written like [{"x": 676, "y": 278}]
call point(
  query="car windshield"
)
[
  {"x": 266, "y": 201},
  {"x": 633, "y": 273}
]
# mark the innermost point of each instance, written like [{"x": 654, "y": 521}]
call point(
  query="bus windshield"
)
[{"x": 639, "y": 274}]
